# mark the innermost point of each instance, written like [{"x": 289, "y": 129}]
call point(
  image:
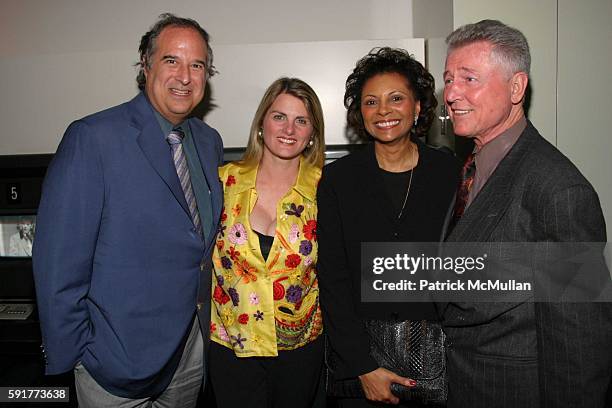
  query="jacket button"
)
[{"x": 200, "y": 305}]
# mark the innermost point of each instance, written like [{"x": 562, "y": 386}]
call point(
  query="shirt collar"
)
[
  {"x": 167, "y": 127},
  {"x": 305, "y": 184},
  {"x": 492, "y": 153}
]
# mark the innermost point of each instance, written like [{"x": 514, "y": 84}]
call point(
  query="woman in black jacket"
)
[{"x": 395, "y": 189}]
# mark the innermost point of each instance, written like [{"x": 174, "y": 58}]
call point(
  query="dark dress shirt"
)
[{"x": 491, "y": 154}]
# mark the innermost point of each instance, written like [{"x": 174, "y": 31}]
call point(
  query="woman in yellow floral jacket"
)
[{"x": 266, "y": 322}]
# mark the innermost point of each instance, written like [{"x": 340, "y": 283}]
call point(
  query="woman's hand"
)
[{"x": 377, "y": 385}]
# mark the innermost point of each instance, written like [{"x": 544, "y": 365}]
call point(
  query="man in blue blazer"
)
[{"x": 122, "y": 273}]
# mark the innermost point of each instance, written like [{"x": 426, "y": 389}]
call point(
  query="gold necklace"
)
[{"x": 407, "y": 194}]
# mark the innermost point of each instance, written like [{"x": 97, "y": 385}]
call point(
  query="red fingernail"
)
[{"x": 412, "y": 383}]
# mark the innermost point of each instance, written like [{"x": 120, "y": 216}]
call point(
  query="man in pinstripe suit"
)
[{"x": 522, "y": 354}]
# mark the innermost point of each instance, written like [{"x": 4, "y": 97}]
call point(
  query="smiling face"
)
[
  {"x": 287, "y": 128},
  {"x": 388, "y": 107},
  {"x": 176, "y": 73},
  {"x": 483, "y": 99}
]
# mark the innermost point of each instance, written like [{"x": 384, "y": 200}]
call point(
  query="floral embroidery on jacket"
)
[
  {"x": 294, "y": 233},
  {"x": 294, "y": 210},
  {"x": 262, "y": 306},
  {"x": 237, "y": 234}
]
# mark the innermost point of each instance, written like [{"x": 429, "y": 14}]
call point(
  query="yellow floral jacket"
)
[{"x": 262, "y": 306}]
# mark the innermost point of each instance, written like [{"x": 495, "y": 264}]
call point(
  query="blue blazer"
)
[{"x": 117, "y": 261}]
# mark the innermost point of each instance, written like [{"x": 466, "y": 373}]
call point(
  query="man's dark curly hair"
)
[
  {"x": 148, "y": 44},
  {"x": 390, "y": 60}
]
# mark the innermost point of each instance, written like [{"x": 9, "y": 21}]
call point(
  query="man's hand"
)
[{"x": 377, "y": 385}]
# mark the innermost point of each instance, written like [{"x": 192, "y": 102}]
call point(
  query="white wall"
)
[
  {"x": 324, "y": 65},
  {"x": 433, "y": 20},
  {"x": 63, "y": 59},
  {"x": 61, "y": 26}
]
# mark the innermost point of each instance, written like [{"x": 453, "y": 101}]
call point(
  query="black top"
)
[
  {"x": 396, "y": 185},
  {"x": 265, "y": 244},
  {"x": 354, "y": 207}
]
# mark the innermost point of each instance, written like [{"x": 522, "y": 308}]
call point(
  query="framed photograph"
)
[{"x": 17, "y": 235}]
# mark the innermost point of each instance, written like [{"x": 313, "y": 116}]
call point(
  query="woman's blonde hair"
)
[{"x": 314, "y": 154}]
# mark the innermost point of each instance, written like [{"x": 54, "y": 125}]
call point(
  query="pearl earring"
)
[{"x": 416, "y": 119}]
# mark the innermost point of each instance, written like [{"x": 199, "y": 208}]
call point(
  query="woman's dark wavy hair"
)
[{"x": 390, "y": 60}]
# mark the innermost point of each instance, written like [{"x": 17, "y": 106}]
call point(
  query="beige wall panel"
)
[{"x": 583, "y": 119}]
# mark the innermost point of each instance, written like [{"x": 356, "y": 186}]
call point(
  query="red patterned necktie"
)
[{"x": 465, "y": 185}]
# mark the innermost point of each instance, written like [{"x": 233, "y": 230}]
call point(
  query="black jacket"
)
[
  {"x": 354, "y": 207},
  {"x": 530, "y": 354}
]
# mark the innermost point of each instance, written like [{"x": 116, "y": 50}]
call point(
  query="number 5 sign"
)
[{"x": 13, "y": 193}]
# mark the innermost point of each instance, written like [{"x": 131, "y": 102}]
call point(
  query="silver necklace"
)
[{"x": 407, "y": 194}]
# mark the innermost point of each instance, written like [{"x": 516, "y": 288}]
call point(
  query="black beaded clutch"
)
[{"x": 412, "y": 349}]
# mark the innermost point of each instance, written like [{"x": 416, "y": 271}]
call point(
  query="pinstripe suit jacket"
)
[{"x": 528, "y": 354}]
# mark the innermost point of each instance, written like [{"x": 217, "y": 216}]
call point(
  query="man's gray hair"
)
[{"x": 510, "y": 46}]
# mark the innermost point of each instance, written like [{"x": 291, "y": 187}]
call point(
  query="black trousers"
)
[
  {"x": 289, "y": 380},
  {"x": 364, "y": 403}
]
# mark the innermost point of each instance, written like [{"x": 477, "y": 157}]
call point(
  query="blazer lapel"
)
[
  {"x": 484, "y": 213},
  {"x": 207, "y": 152},
  {"x": 155, "y": 148}
]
